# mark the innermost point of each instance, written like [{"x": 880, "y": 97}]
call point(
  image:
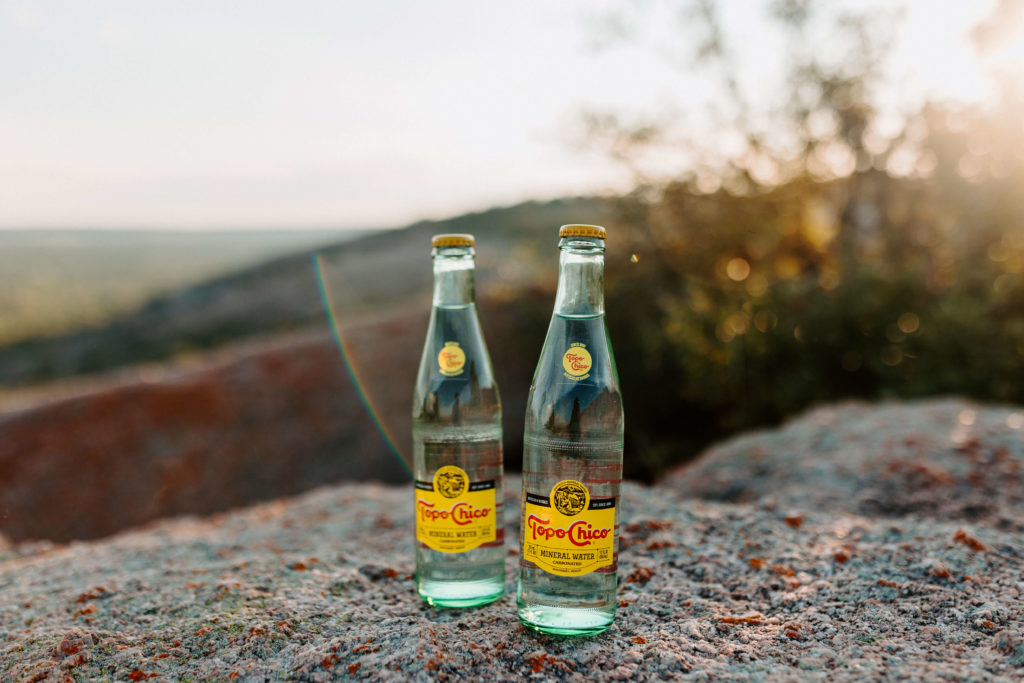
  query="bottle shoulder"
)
[
  {"x": 577, "y": 353},
  {"x": 455, "y": 382},
  {"x": 575, "y": 389}
]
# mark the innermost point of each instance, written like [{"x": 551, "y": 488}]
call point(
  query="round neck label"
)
[
  {"x": 576, "y": 362},
  {"x": 451, "y": 359}
]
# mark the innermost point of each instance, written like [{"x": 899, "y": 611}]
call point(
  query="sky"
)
[{"x": 214, "y": 114}]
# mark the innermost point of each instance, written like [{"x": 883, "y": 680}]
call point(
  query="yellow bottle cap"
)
[
  {"x": 582, "y": 231},
  {"x": 452, "y": 240}
]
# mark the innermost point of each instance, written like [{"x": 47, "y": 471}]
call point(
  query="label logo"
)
[
  {"x": 576, "y": 362},
  {"x": 570, "y": 497},
  {"x": 451, "y": 359},
  {"x": 450, "y": 481}
]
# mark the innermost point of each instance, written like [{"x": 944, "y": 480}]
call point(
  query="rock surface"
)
[
  {"x": 254, "y": 423},
  {"x": 940, "y": 459},
  {"x": 790, "y": 583}
]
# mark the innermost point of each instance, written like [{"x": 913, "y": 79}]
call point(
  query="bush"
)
[{"x": 740, "y": 310}]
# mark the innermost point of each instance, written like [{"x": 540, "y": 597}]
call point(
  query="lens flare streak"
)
[{"x": 348, "y": 358}]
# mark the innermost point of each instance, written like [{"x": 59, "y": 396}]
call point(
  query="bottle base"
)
[
  {"x": 565, "y": 621},
  {"x": 460, "y": 593}
]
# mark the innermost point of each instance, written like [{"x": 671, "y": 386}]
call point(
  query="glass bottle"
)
[
  {"x": 457, "y": 448},
  {"x": 572, "y": 456}
]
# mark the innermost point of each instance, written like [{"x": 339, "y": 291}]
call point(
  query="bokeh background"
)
[{"x": 214, "y": 255}]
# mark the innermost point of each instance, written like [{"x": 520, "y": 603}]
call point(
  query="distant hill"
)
[
  {"x": 374, "y": 274},
  {"x": 53, "y": 282}
]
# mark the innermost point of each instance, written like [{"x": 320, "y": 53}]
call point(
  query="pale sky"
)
[{"x": 212, "y": 114}]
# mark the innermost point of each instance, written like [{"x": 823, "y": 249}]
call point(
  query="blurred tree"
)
[{"x": 840, "y": 251}]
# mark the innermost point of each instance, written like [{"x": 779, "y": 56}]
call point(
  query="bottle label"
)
[
  {"x": 451, "y": 359},
  {"x": 576, "y": 362},
  {"x": 453, "y": 514},
  {"x": 567, "y": 532}
]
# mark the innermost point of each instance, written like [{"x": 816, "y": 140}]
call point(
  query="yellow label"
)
[
  {"x": 454, "y": 515},
  {"x": 568, "y": 533},
  {"x": 576, "y": 362},
  {"x": 451, "y": 359}
]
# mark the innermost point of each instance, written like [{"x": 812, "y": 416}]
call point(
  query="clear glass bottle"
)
[
  {"x": 572, "y": 456},
  {"x": 457, "y": 447}
]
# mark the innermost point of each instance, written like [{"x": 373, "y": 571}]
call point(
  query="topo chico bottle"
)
[
  {"x": 457, "y": 450},
  {"x": 572, "y": 457}
]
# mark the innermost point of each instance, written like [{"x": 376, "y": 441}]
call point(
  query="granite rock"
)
[
  {"x": 320, "y": 587},
  {"x": 940, "y": 459}
]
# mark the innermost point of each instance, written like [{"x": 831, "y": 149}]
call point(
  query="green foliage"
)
[
  {"x": 739, "y": 310},
  {"x": 843, "y": 249}
]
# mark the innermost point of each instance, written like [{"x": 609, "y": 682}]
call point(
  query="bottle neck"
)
[
  {"x": 580, "y": 277},
  {"x": 453, "y": 276}
]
